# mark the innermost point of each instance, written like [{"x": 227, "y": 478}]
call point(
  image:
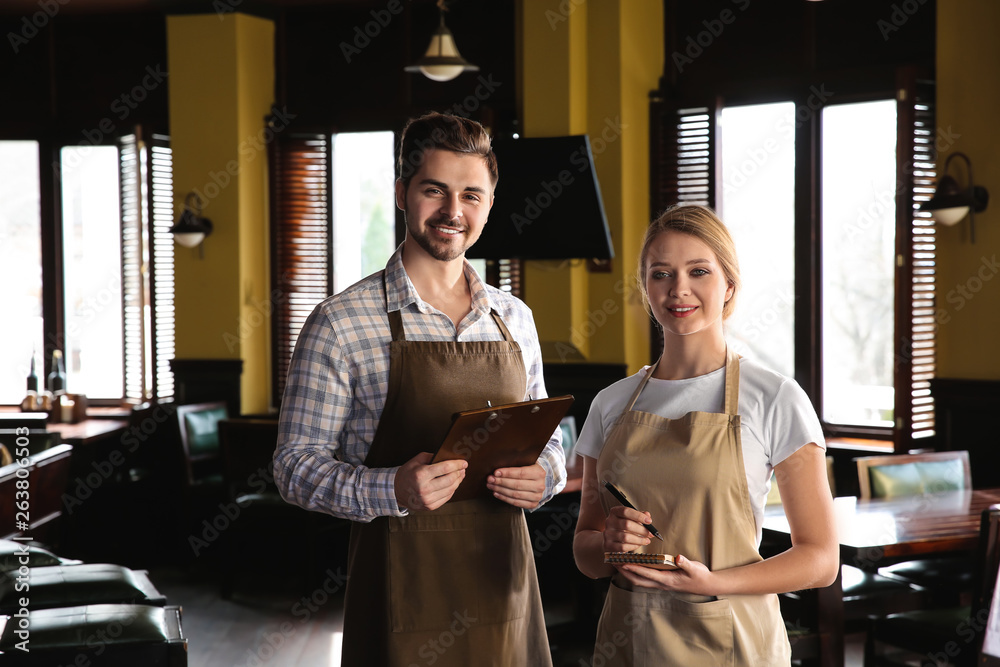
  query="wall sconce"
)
[
  {"x": 951, "y": 203},
  {"x": 191, "y": 229},
  {"x": 442, "y": 61}
]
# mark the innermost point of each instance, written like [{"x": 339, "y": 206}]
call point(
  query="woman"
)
[{"x": 692, "y": 442}]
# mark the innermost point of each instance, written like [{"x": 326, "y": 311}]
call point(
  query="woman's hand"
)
[
  {"x": 625, "y": 529},
  {"x": 689, "y": 577}
]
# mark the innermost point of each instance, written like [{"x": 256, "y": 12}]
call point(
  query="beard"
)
[{"x": 439, "y": 249}]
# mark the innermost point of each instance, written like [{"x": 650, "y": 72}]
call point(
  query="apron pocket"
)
[
  {"x": 657, "y": 628},
  {"x": 451, "y": 571}
]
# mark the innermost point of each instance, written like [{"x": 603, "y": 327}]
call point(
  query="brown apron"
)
[
  {"x": 689, "y": 474},
  {"x": 455, "y": 586}
]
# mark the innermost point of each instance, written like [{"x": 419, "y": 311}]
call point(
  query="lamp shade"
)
[
  {"x": 442, "y": 62},
  {"x": 191, "y": 229},
  {"x": 547, "y": 203},
  {"x": 951, "y": 202}
]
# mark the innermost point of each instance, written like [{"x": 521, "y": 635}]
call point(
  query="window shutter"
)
[
  {"x": 301, "y": 217},
  {"x": 146, "y": 172},
  {"x": 133, "y": 262},
  {"x": 505, "y": 274},
  {"x": 684, "y": 164},
  {"x": 683, "y": 169},
  {"x": 160, "y": 181},
  {"x": 916, "y": 266}
]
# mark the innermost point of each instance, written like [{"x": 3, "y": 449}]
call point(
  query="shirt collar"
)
[{"x": 400, "y": 292}]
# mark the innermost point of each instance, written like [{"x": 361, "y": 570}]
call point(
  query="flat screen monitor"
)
[{"x": 547, "y": 203}]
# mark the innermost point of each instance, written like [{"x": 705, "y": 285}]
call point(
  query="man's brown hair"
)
[{"x": 444, "y": 132}]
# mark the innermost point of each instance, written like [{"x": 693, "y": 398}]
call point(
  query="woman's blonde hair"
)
[{"x": 702, "y": 223}]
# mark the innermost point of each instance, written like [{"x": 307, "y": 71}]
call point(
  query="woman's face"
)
[{"x": 686, "y": 285}]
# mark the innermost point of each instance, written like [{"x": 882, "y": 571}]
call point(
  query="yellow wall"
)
[
  {"x": 601, "y": 60},
  {"x": 968, "y": 96},
  {"x": 221, "y": 88}
]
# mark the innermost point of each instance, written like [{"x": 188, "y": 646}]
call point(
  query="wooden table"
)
[{"x": 878, "y": 532}]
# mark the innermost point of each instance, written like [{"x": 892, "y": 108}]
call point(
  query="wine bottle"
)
[{"x": 57, "y": 374}]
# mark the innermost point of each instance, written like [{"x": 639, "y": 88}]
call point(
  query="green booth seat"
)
[
  {"x": 68, "y": 585},
  {"x": 109, "y": 635}
]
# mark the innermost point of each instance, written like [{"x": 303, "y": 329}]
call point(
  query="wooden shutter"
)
[
  {"x": 146, "y": 173},
  {"x": 160, "y": 205},
  {"x": 301, "y": 218},
  {"x": 506, "y": 274},
  {"x": 916, "y": 265},
  {"x": 682, "y": 167},
  {"x": 683, "y": 155},
  {"x": 133, "y": 263}
]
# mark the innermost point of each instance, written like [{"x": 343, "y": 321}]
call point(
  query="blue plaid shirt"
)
[{"x": 337, "y": 382}]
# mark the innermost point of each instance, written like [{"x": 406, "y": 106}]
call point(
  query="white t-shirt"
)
[{"x": 776, "y": 417}]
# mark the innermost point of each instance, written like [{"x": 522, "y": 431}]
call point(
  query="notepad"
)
[{"x": 656, "y": 561}]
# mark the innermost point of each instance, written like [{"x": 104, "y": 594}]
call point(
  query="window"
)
[
  {"x": 858, "y": 264},
  {"x": 92, "y": 291},
  {"x": 110, "y": 293},
  {"x": 838, "y": 262},
  {"x": 758, "y": 205},
  {"x": 333, "y": 223},
  {"x": 21, "y": 335}
]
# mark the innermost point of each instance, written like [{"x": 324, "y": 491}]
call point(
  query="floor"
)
[{"x": 273, "y": 620}]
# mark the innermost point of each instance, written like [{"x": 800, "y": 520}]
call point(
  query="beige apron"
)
[
  {"x": 689, "y": 474},
  {"x": 455, "y": 586}
]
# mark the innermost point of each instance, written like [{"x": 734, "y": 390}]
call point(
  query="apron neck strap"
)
[
  {"x": 732, "y": 406},
  {"x": 396, "y": 325},
  {"x": 642, "y": 384}
]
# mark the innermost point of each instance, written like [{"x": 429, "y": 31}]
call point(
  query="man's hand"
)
[
  {"x": 520, "y": 487},
  {"x": 422, "y": 486}
]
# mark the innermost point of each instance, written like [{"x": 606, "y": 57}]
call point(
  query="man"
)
[{"x": 377, "y": 372}]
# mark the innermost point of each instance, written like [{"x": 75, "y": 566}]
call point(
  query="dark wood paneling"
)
[
  {"x": 965, "y": 412},
  {"x": 208, "y": 380}
]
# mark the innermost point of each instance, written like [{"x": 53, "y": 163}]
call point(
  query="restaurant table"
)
[{"x": 882, "y": 531}]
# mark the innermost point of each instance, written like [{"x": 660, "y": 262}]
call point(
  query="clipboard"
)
[{"x": 500, "y": 436}]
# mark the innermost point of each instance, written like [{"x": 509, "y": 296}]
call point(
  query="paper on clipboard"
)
[{"x": 500, "y": 436}]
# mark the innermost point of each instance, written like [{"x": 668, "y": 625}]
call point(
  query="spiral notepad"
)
[{"x": 657, "y": 561}]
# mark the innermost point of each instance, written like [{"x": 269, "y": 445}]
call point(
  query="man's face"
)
[{"x": 447, "y": 203}]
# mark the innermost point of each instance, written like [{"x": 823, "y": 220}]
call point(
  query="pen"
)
[{"x": 624, "y": 501}]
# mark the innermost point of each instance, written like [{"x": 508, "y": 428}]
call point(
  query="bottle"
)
[
  {"x": 31, "y": 402},
  {"x": 57, "y": 374}
]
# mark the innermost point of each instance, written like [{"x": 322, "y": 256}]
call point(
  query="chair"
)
[
  {"x": 247, "y": 446},
  {"x": 199, "y": 436},
  {"x": 913, "y": 474},
  {"x": 201, "y": 476},
  {"x": 946, "y": 578},
  {"x": 953, "y": 634},
  {"x": 864, "y": 594}
]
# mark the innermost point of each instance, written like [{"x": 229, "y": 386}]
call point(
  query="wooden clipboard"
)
[{"x": 500, "y": 436}]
